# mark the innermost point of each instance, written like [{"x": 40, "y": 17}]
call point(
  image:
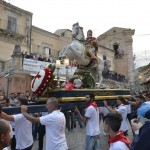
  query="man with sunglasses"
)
[{"x": 91, "y": 119}]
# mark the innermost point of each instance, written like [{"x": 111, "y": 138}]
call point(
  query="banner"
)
[{"x": 36, "y": 66}]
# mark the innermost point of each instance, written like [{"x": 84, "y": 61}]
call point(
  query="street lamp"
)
[
  {"x": 58, "y": 65},
  {"x": 66, "y": 63}
]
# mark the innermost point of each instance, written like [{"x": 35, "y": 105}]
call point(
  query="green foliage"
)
[{"x": 88, "y": 81}]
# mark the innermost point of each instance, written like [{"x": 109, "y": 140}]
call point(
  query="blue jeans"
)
[{"x": 91, "y": 142}]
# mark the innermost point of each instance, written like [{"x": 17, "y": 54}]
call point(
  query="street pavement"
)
[{"x": 76, "y": 139}]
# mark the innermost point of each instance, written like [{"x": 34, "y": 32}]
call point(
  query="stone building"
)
[
  {"x": 15, "y": 29},
  {"x": 144, "y": 78},
  {"x": 107, "y": 54},
  {"x": 120, "y": 41},
  {"x": 49, "y": 44}
]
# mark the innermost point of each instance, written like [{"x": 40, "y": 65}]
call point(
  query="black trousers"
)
[
  {"x": 41, "y": 133},
  {"x": 69, "y": 120},
  {"x": 13, "y": 143},
  {"x": 129, "y": 117}
]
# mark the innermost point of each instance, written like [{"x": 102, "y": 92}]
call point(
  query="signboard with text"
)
[{"x": 36, "y": 66}]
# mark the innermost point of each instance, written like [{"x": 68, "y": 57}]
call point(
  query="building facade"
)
[
  {"x": 49, "y": 44},
  {"x": 15, "y": 29},
  {"x": 17, "y": 36},
  {"x": 120, "y": 41},
  {"x": 107, "y": 54},
  {"x": 144, "y": 78}
]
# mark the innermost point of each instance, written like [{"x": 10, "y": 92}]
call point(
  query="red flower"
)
[{"x": 68, "y": 86}]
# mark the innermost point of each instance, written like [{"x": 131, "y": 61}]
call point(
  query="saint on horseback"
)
[
  {"x": 91, "y": 46},
  {"x": 90, "y": 66}
]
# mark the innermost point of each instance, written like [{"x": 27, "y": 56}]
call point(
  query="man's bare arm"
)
[
  {"x": 7, "y": 117},
  {"x": 83, "y": 119},
  {"x": 108, "y": 107},
  {"x": 28, "y": 116},
  {"x": 31, "y": 118}
]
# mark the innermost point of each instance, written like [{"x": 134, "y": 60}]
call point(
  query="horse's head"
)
[{"x": 77, "y": 32}]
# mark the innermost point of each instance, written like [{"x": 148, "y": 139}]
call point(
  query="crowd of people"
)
[
  {"x": 114, "y": 76},
  {"x": 73, "y": 63},
  {"x": 36, "y": 57},
  {"x": 107, "y": 75},
  {"x": 54, "y": 122},
  {"x": 30, "y": 131}
]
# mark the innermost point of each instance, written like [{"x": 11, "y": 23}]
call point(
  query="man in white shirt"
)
[
  {"x": 117, "y": 140},
  {"x": 23, "y": 128},
  {"x": 121, "y": 110},
  {"x": 92, "y": 123},
  {"x": 55, "y": 124},
  {"x": 41, "y": 132},
  {"x": 104, "y": 111}
]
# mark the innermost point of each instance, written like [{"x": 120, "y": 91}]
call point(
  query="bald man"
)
[
  {"x": 4, "y": 134},
  {"x": 55, "y": 124}
]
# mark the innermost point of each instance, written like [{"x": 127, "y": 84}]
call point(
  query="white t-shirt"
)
[
  {"x": 23, "y": 132},
  {"x": 92, "y": 124},
  {"x": 128, "y": 107},
  {"x": 118, "y": 146},
  {"x": 123, "y": 111},
  {"x": 44, "y": 113},
  {"x": 104, "y": 111},
  {"x": 55, "y": 124}
]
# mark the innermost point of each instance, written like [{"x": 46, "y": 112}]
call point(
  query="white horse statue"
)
[{"x": 76, "y": 51}]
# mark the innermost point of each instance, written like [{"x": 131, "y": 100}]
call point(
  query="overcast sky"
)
[{"x": 98, "y": 15}]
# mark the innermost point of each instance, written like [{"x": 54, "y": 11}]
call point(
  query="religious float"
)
[{"x": 72, "y": 92}]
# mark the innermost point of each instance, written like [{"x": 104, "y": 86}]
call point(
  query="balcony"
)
[
  {"x": 13, "y": 32},
  {"x": 115, "y": 77}
]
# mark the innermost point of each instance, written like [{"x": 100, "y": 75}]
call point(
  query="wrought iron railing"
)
[{"x": 116, "y": 77}]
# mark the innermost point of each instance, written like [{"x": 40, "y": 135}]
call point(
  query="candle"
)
[
  {"x": 66, "y": 62},
  {"x": 58, "y": 64}
]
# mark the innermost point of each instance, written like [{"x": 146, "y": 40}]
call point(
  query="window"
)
[
  {"x": 47, "y": 51},
  {"x": 12, "y": 24},
  {"x": 115, "y": 47},
  {"x": 63, "y": 34}
]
